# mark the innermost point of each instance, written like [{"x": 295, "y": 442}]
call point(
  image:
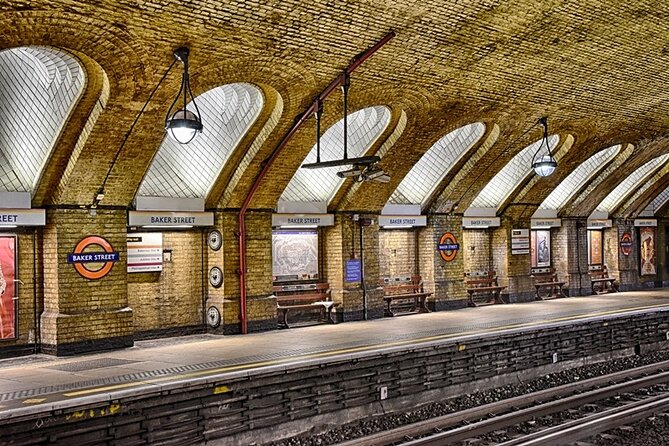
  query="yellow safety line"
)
[{"x": 345, "y": 351}]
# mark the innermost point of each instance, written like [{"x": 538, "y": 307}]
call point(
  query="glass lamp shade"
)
[
  {"x": 183, "y": 126},
  {"x": 544, "y": 165}
]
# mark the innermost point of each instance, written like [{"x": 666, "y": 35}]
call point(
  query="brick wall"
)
[
  {"x": 628, "y": 266},
  {"x": 260, "y": 304},
  {"x": 171, "y": 298},
  {"x": 520, "y": 283},
  {"x": 570, "y": 255},
  {"x": 397, "y": 253},
  {"x": 333, "y": 256},
  {"x": 477, "y": 249},
  {"x": 80, "y": 314},
  {"x": 449, "y": 290}
]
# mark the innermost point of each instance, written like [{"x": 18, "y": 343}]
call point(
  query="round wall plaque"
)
[
  {"x": 215, "y": 239},
  {"x": 213, "y": 317},
  {"x": 215, "y": 277}
]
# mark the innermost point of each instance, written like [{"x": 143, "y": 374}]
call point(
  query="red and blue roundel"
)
[{"x": 93, "y": 264}]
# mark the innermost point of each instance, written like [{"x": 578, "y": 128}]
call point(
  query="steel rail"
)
[
  {"x": 516, "y": 417},
  {"x": 448, "y": 421},
  {"x": 575, "y": 430}
]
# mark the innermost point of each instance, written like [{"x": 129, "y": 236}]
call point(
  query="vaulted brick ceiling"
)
[{"x": 598, "y": 70}]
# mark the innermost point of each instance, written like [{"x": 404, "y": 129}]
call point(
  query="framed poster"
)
[
  {"x": 540, "y": 248},
  {"x": 647, "y": 247},
  {"x": 595, "y": 256},
  {"x": 294, "y": 255},
  {"x": 8, "y": 291}
]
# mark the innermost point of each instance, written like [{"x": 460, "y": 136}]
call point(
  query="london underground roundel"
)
[
  {"x": 448, "y": 247},
  {"x": 626, "y": 243},
  {"x": 93, "y": 257}
]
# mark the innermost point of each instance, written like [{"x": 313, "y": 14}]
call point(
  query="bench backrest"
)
[
  {"x": 598, "y": 271},
  {"x": 479, "y": 279},
  {"x": 308, "y": 292},
  {"x": 544, "y": 274},
  {"x": 402, "y": 285}
]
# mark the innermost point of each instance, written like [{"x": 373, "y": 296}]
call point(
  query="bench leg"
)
[
  {"x": 329, "y": 315},
  {"x": 387, "y": 311},
  {"x": 498, "y": 297},
  {"x": 471, "y": 302},
  {"x": 422, "y": 307},
  {"x": 414, "y": 306},
  {"x": 538, "y": 295},
  {"x": 283, "y": 318}
]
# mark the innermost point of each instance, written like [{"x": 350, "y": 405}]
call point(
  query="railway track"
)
[{"x": 560, "y": 415}]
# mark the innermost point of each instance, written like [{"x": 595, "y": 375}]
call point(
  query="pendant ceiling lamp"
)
[
  {"x": 544, "y": 164},
  {"x": 183, "y": 124}
]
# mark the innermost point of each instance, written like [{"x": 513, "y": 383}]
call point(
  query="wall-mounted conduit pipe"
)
[{"x": 355, "y": 63}]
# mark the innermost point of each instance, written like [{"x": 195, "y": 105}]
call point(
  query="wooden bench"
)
[
  {"x": 600, "y": 280},
  {"x": 407, "y": 288},
  {"x": 303, "y": 296},
  {"x": 546, "y": 278},
  {"x": 483, "y": 283}
]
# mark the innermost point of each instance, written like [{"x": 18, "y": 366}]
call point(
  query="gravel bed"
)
[
  {"x": 377, "y": 423},
  {"x": 652, "y": 431}
]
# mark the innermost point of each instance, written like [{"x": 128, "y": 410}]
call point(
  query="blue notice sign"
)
[{"x": 353, "y": 271}]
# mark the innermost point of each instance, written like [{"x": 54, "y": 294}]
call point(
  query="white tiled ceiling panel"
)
[
  {"x": 190, "y": 170},
  {"x": 578, "y": 178},
  {"x": 39, "y": 87},
  {"x": 364, "y": 127},
  {"x": 507, "y": 179},
  {"x": 433, "y": 166},
  {"x": 631, "y": 182},
  {"x": 659, "y": 201}
]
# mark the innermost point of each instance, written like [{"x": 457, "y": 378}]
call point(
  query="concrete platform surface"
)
[{"x": 42, "y": 382}]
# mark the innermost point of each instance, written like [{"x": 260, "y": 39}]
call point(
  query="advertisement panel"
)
[
  {"x": 540, "y": 248},
  {"x": 595, "y": 247},
  {"x": 8, "y": 291},
  {"x": 647, "y": 246}
]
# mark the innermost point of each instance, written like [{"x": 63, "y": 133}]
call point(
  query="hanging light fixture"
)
[
  {"x": 544, "y": 165},
  {"x": 346, "y": 161},
  {"x": 183, "y": 124}
]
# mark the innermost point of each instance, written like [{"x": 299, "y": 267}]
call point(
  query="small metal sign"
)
[{"x": 353, "y": 270}]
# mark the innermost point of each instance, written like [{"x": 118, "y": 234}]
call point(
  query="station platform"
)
[
  {"x": 40, "y": 379},
  {"x": 40, "y": 383}
]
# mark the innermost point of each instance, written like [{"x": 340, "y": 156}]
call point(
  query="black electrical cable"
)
[{"x": 129, "y": 132}]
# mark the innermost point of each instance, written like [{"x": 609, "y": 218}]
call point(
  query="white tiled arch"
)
[
  {"x": 658, "y": 201},
  {"x": 321, "y": 185},
  {"x": 632, "y": 181},
  {"x": 190, "y": 170},
  {"x": 417, "y": 186},
  {"x": 511, "y": 175},
  {"x": 578, "y": 178},
  {"x": 39, "y": 87}
]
